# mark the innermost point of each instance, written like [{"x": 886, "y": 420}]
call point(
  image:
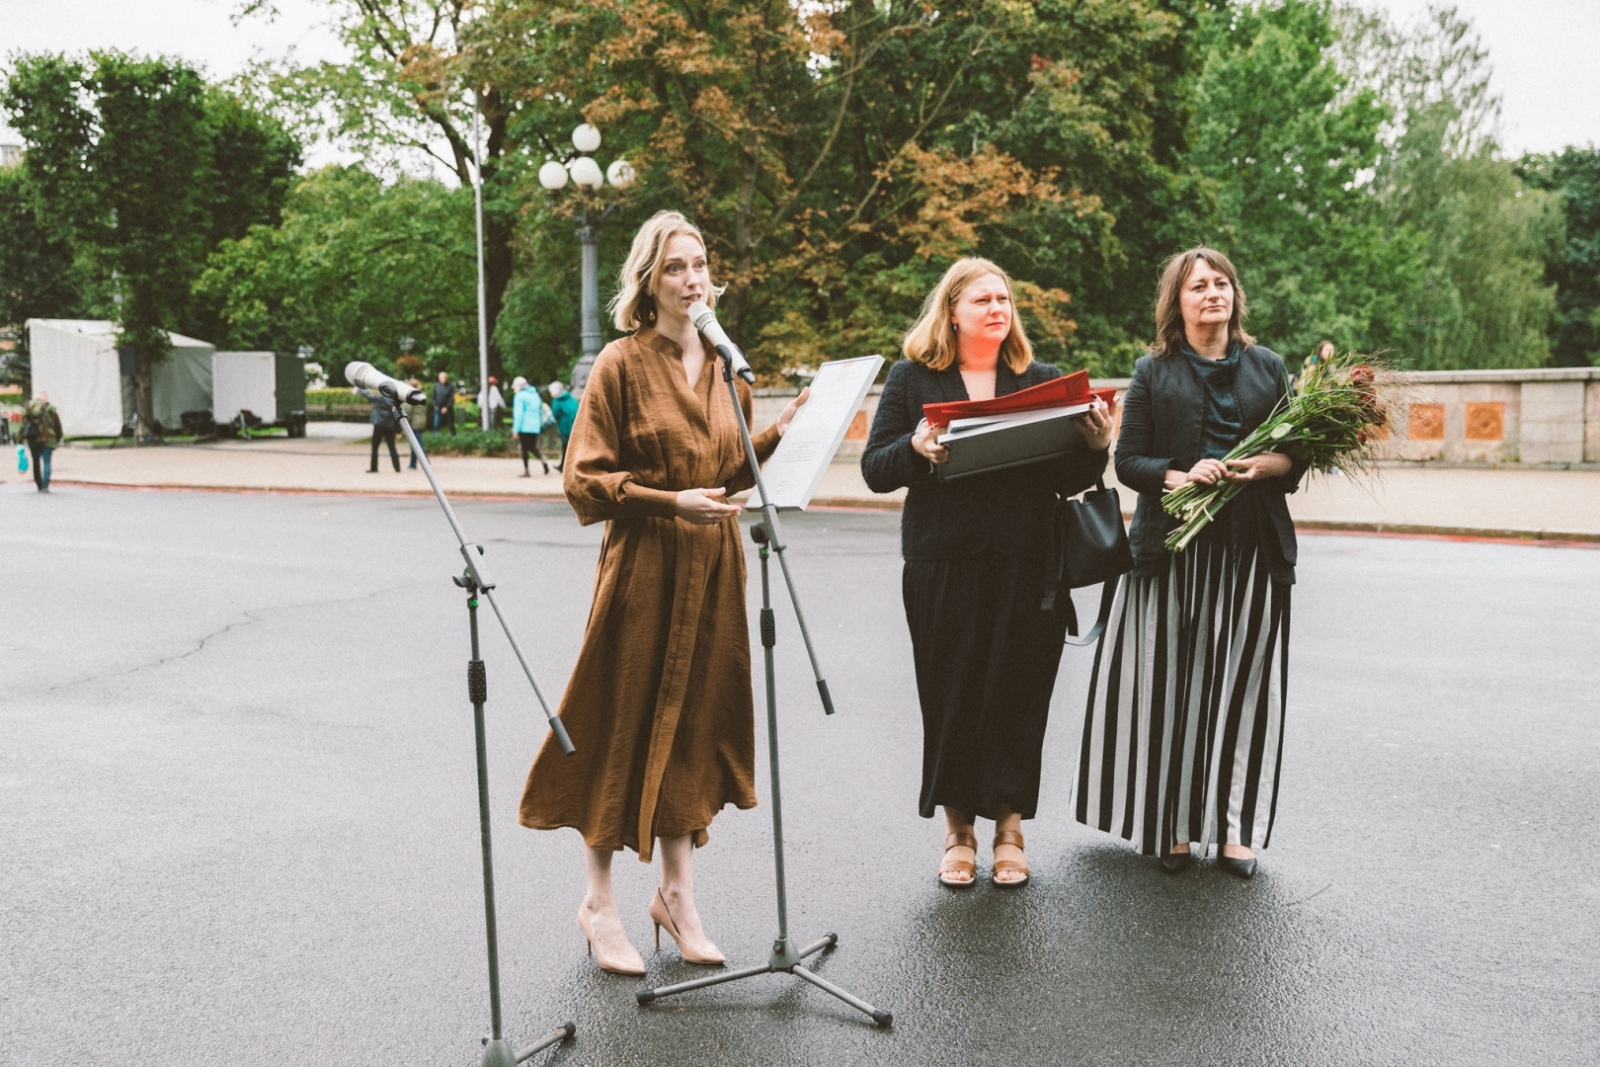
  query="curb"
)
[{"x": 1550, "y": 538}]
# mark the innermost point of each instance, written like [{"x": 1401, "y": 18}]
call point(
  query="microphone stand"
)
[
  {"x": 786, "y": 957},
  {"x": 497, "y": 1051}
]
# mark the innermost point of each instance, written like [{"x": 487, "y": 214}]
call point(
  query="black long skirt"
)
[
  {"x": 986, "y": 659},
  {"x": 1183, "y": 739}
]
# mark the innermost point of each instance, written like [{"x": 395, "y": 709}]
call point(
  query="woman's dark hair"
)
[{"x": 1170, "y": 337}]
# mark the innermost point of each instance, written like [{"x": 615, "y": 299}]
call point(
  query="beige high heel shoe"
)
[
  {"x": 619, "y": 964},
  {"x": 663, "y": 917}
]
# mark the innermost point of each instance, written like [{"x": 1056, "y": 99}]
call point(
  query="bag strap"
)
[{"x": 1108, "y": 595}]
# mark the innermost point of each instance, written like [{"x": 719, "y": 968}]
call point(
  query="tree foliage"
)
[
  {"x": 1573, "y": 266},
  {"x": 357, "y": 269},
  {"x": 140, "y": 169}
]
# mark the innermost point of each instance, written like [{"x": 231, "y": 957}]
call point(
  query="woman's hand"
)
[
  {"x": 925, "y": 443},
  {"x": 788, "y": 412},
  {"x": 704, "y": 507},
  {"x": 1095, "y": 426},
  {"x": 1257, "y": 467},
  {"x": 1206, "y": 472}
]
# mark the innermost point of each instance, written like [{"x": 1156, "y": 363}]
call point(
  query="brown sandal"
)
[
  {"x": 959, "y": 839},
  {"x": 1013, "y": 838}
]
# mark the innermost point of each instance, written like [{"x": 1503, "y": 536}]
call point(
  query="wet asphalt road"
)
[{"x": 238, "y": 820}]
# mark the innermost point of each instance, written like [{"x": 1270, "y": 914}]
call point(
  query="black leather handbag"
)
[{"x": 1090, "y": 548}]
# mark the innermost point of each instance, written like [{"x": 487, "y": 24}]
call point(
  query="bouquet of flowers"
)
[{"x": 1324, "y": 422}]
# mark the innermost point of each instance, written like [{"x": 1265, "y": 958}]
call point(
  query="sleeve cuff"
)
[{"x": 662, "y": 503}]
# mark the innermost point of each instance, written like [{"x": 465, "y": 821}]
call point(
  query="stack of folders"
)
[{"x": 1010, "y": 431}]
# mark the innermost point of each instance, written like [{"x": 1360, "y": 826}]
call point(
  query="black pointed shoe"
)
[
  {"x": 1239, "y": 867},
  {"x": 1177, "y": 862}
]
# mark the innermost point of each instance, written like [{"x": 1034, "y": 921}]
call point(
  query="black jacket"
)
[
  {"x": 385, "y": 412},
  {"x": 1009, "y": 511},
  {"x": 1161, "y": 428}
]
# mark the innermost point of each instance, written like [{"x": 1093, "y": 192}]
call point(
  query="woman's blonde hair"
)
[
  {"x": 1170, "y": 335},
  {"x": 633, "y": 306},
  {"x": 932, "y": 341}
]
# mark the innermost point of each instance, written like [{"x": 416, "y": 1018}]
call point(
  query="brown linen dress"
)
[{"x": 660, "y": 706}]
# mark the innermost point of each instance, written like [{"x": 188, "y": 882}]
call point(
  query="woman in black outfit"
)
[
  {"x": 1184, "y": 733},
  {"x": 975, "y": 552}
]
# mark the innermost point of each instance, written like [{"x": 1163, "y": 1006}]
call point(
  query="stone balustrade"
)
[{"x": 1548, "y": 417}]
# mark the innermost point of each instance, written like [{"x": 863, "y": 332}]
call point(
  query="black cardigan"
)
[
  {"x": 1162, "y": 418},
  {"x": 1009, "y": 511}
]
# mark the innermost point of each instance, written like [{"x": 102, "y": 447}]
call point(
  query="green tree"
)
[
  {"x": 38, "y": 276},
  {"x": 1480, "y": 298},
  {"x": 406, "y": 92},
  {"x": 1574, "y": 266},
  {"x": 357, "y": 269},
  {"x": 142, "y": 169},
  {"x": 1291, "y": 149},
  {"x": 838, "y": 157}
]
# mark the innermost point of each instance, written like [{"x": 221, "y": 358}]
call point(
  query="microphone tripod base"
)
[
  {"x": 498, "y": 1053},
  {"x": 786, "y": 959}
]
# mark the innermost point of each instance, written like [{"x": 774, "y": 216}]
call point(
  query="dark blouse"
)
[
  {"x": 1007, "y": 511},
  {"x": 1219, "y": 432}
]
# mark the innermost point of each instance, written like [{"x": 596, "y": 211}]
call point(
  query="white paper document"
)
[{"x": 796, "y": 468}]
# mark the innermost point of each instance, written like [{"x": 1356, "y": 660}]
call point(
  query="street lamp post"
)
[{"x": 585, "y": 173}]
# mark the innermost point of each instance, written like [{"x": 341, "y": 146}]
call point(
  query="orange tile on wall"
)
[
  {"x": 1427, "y": 422},
  {"x": 1486, "y": 422},
  {"x": 858, "y": 428}
]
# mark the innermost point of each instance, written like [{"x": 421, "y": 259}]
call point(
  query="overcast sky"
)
[{"x": 1544, "y": 52}]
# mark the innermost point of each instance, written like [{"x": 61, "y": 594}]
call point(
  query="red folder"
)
[{"x": 1065, "y": 391}]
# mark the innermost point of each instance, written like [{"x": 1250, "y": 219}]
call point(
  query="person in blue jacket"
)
[
  {"x": 527, "y": 421},
  {"x": 565, "y": 408}
]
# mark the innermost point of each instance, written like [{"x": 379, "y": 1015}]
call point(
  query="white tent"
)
[
  {"x": 244, "y": 381},
  {"x": 76, "y": 362}
]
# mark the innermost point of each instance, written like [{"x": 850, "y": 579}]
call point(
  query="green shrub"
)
[{"x": 465, "y": 442}]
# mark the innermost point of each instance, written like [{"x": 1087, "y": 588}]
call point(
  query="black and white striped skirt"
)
[{"x": 1183, "y": 738}]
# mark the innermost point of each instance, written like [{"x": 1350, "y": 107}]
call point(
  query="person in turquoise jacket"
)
[
  {"x": 527, "y": 421},
  {"x": 564, "y": 406}
]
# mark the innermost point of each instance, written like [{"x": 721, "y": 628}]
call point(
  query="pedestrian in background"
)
[
  {"x": 1183, "y": 737},
  {"x": 444, "y": 403},
  {"x": 417, "y": 416},
  {"x": 977, "y": 554},
  {"x": 385, "y": 421},
  {"x": 41, "y": 432},
  {"x": 564, "y": 406},
  {"x": 527, "y": 421},
  {"x": 490, "y": 399}
]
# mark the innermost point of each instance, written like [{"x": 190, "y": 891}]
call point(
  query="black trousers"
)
[
  {"x": 530, "y": 447},
  {"x": 387, "y": 435},
  {"x": 986, "y": 659}
]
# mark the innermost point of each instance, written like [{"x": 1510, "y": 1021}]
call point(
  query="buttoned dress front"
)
[{"x": 659, "y": 705}]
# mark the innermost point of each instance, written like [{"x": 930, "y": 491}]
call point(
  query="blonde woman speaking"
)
[{"x": 660, "y": 705}]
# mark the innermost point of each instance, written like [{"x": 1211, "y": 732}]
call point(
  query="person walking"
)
[
  {"x": 1183, "y": 737},
  {"x": 386, "y": 416},
  {"x": 444, "y": 404},
  {"x": 564, "y": 406},
  {"x": 976, "y": 556},
  {"x": 41, "y": 432},
  {"x": 417, "y": 416},
  {"x": 659, "y": 705},
  {"x": 527, "y": 421}
]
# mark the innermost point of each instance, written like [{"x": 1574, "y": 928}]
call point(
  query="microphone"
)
[
  {"x": 366, "y": 376},
  {"x": 705, "y": 320}
]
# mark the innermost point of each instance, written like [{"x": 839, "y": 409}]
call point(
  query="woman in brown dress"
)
[{"x": 660, "y": 705}]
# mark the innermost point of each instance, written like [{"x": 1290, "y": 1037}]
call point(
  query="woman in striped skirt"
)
[{"x": 1183, "y": 738}]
